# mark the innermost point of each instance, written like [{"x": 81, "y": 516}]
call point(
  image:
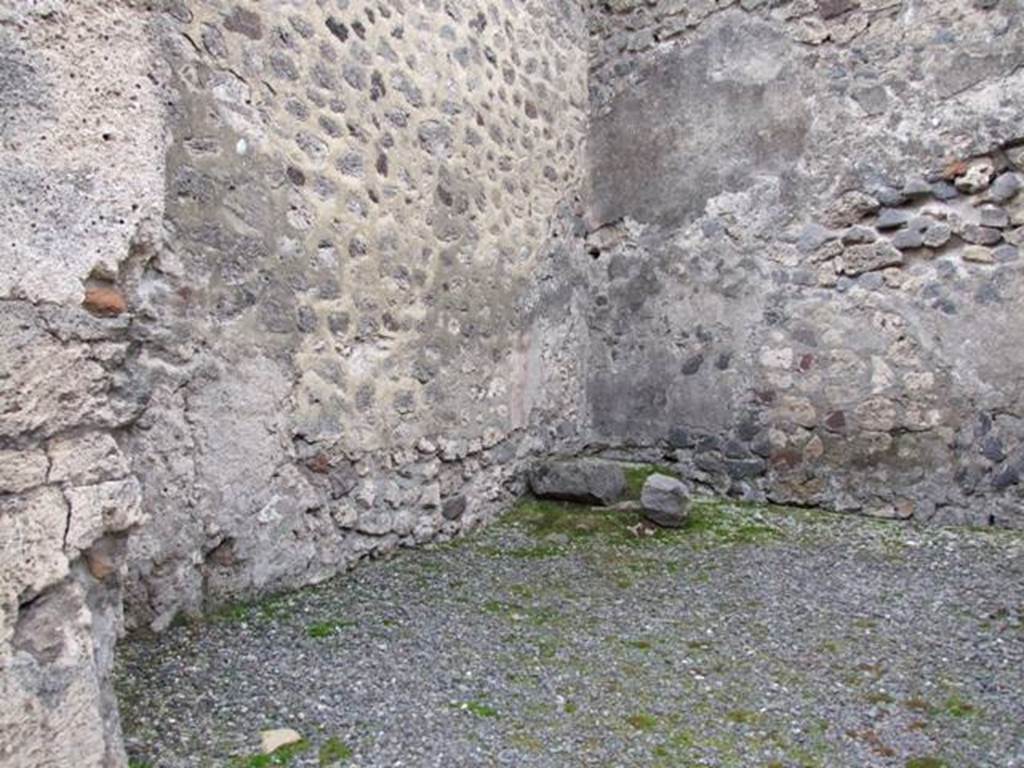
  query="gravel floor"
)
[{"x": 571, "y": 637}]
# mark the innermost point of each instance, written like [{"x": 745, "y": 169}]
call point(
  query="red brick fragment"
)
[
  {"x": 103, "y": 300},
  {"x": 955, "y": 169},
  {"x": 319, "y": 463}
]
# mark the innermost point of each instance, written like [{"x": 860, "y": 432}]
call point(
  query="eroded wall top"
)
[{"x": 82, "y": 137}]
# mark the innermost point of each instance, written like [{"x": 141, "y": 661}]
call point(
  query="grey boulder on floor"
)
[
  {"x": 665, "y": 501},
  {"x": 586, "y": 481}
]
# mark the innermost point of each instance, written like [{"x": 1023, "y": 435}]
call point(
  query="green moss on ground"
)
[
  {"x": 742, "y": 716},
  {"x": 956, "y": 706},
  {"x": 322, "y": 629},
  {"x": 278, "y": 757},
  {"x": 642, "y": 645},
  {"x": 643, "y": 721},
  {"x": 727, "y": 523},
  {"x": 952, "y": 706},
  {"x": 556, "y": 525},
  {"x": 540, "y": 551},
  {"x": 477, "y": 708},
  {"x": 269, "y": 608},
  {"x": 535, "y": 615},
  {"x": 637, "y": 474},
  {"x": 557, "y": 519},
  {"x": 334, "y": 751}
]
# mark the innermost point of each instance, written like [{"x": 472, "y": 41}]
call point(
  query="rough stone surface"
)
[
  {"x": 283, "y": 288},
  {"x": 82, "y": 99},
  {"x": 346, "y": 324},
  {"x": 665, "y": 500},
  {"x": 82, "y": 132},
  {"x": 804, "y": 362},
  {"x": 274, "y": 739},
  {"x": 22, "y": 470},
  {"x": 287, "y": 288},
  {"x": 979, "y": 254},
  {"x": 587, "y": 481}
]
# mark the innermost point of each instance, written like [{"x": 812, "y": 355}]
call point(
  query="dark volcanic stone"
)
[
  {"x": 587, "y": 481},
  {"x": 453, "y": 507},
  {"x": 693, "y": 365},
  {"x": 891, "y": 218},
  {"x": 991, "y": 216},
  {"x": 337, "y": 28},
  {"x": 710, "y": 463},
  {"x": 829, "y": 9},
  {"x": 908, "y": 239},
  {"x": 665, "y": 501},
  {"x": 1007, "y": 477},
  {"x": 1005, "y": 187},
  {"x": 943, "y": 190},
  {"x": 244, "y": 23},
  {"x": 981, "y": 235},
  {"x": 680, "y": 437},
  {"x": 992, "y": 449},
  {"x": 741, "y": 469}
]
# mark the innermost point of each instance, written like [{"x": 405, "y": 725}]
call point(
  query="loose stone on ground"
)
[
  {"x": 665, "y": 501},
  {"x": 588, "y": 481}
]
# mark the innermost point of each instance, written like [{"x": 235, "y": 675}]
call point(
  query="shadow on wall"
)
[{"x": 701, "y": 119}]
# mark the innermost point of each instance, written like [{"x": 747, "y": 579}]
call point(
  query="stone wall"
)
[
  {"x": 344, "y": 326},
  {"x": 81, "y": 177},
  {"x": 283, "y": 287},
  {"x": 804, "y": 224},
  {"x": 288, "y": 285}
]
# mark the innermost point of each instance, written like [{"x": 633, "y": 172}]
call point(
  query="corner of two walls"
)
[
  {"x": 816, "y": 298},
  {"x": 359, "y": 323},
  {"x": 336, "y": 287},
  {"x": 281, "y": 290}
]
